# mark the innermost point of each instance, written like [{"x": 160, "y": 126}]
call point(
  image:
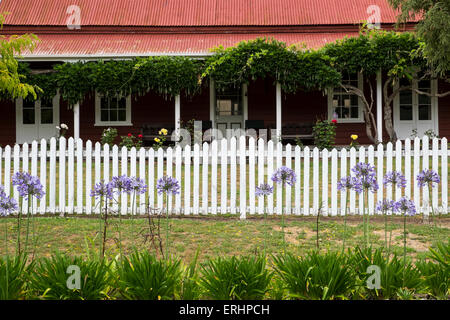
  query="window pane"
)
[
  {"x": 354, "y": 112},
  {"x": 123, "y": 103},
  {"x": 424, "y": 112},
  {"x": 104, "y": 103},
  {"x": 28, "y": 112},
  {"x": 424, "y": 84},
  {"x": 46, "y": 116},
  {"x": 113, "y": 103},
  {"x": 112, "y": 115},
  {"x": 224, "y": 107},
  {"x": 104, "y": 115},
  {"x": 406, "y": 113},
  {"x": 122, "y": 115},
  {"x": 405, "y": 97},
  {"x": 424, "y": 99}
]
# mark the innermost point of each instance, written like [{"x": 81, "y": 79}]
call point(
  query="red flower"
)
[
  {"x": 140, "y": 136},
  {"x": 334, "y": 121},
  {"x": 130, "y": 135}
]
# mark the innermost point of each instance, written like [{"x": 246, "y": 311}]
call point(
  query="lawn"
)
[{"x": 224, "y": 235}]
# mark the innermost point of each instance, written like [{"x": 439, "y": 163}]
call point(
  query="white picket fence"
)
[{"x": 220, "y": 177}]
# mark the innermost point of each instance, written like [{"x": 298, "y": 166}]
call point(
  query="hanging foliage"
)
[{"x": 257, "y": 59}]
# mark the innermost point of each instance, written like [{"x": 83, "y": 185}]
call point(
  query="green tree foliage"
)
[
  {"x": 434, "y": 28},
  {"x": 12, "y": 83}
]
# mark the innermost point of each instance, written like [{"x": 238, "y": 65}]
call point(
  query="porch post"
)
[
  {"x": 76, "y": 121},
  {"x": 177, "y": 116},
  {"x": 278, "y": 112},
  {"x": 379, "y": 108}
]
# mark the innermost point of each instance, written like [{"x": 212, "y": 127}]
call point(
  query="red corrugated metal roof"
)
[
  {"x": 116, "y": 45},
  {"x": 195, "y": 12}
]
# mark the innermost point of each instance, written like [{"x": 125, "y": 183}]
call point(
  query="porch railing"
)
[{"x": 220, "y": 177}]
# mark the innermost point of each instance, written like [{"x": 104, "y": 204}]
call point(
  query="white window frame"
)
[
  {"x": 100, "y": 123},
  {"x": 360, "y": 118}
]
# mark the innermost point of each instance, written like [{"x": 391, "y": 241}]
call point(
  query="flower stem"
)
[
  {"x": 7, "y": 259},
  {"x": 265, "y": 226},
  {"x": 404, "y": 246},
  {"x": 167, "y": 226},
  {"x": 345, "y": 221},
  {"x": 282, "y": 219},
  {"x": 28, "y": 224},
  {"x": 104, "y": 228}
]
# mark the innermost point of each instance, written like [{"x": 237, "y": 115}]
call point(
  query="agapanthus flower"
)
[
  {"x": 386, "y": 205},
  {"x": 394, "y": 178},
  {"x": 284, "y": 175},
  {"x": 406, "y": 205},
  {"x": 7, "y": 204},
  {"x": 264, "y": 189},
  {"x": 428, "y": 176},
  {"x": 28, "y": 185},
  {"x": 103, "y": 189},
  {"x": 168, "y": 185},
  {"x": 349, "y": 183},
  {"x": 121, "y": 184},
  {"x": 367, "y": 175},
  {"x": 138, "y": 185}
]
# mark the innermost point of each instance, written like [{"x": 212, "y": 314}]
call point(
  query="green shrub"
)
[
  {"x": 436, "y": 272},
  {"x": 324, "y": 132},
  {"x": 143, "y": 277},
  {"x": 395, "y": 280},
  {"x": 13, "y": 277},
  {"x": 50, "y": 278},
  {"x": 316, "y": 276},
  {"x": 190, "y": 288},
  {"x": 235, "y": 278},
  {"x": 109, "y": 136}
]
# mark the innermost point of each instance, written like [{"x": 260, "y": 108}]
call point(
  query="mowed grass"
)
[{"x": 214, "y": 236}]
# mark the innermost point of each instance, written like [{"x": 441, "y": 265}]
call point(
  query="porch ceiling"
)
[{"x": 92, "y": 46}]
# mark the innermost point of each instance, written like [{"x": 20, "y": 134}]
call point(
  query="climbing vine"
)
[{"x": 293, "y": 68}]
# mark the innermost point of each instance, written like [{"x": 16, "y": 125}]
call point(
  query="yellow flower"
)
[
  {"x": 157, "y": 140},
  {"x": 163, "y": 131},
  {"x": 354, "y": 136}
]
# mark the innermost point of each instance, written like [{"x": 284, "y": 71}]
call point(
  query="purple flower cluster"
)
[
  {"x": 406, "y": 205},
  {"x": 128, "y": 184},
  {"x": 426, "y": 177},
  {"x": 138, "y": 185},
  {"x": 102, "y": 189},
  {"x": 121, "y": 184},
  {"x": 264, "y": 189},
  {"x": 366, "y": 175},
  {"x": 284, "y": 175},
  {"x": 28, "y": 185},
  {"x": 386, "y": 205},
  {"x": 349, "y": 183},
  {"x": 7, "y": 204},
  {"x": 395, "y": 178},
  {"x": 167, "y": 185}
]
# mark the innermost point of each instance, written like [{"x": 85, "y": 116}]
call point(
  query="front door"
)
[
  {"x": 414, "y": 114},
  {"x": 36, "y": 120},
  {"x": 229, "y": 111}
]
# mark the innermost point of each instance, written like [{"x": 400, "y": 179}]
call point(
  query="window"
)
[
  {"x": 112, "y": 111},
  {"x": 46, "y": 111},
  {"x": 346, "y": 107},
  {"x": 229, "y": 102},
  {"x": 28, "y": 112}
]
